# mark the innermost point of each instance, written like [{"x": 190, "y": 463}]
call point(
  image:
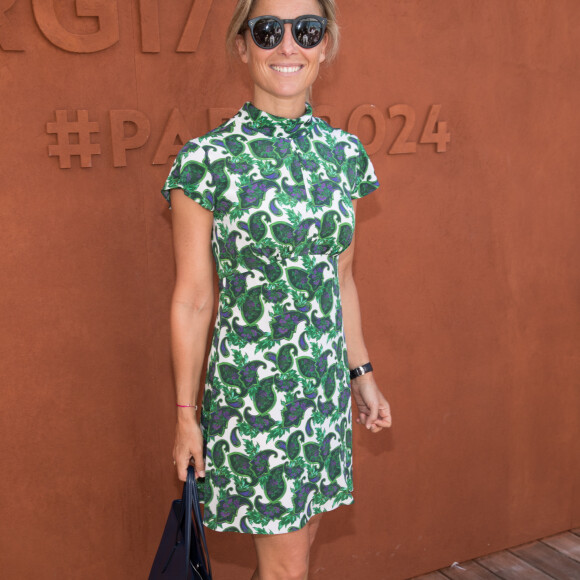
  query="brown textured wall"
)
[{"x": 467, "y": 268}]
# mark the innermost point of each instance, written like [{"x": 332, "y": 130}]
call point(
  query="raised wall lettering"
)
[
  {"x": 131, "y": 129},
  {"x": 327, "y": 112},
  {"x": 64, "y": 129},
  {"x": 218, "y": 116},
  {"x": 8, "y": 39},
  {"x": 149, "y": 14},
  {"x": 439, "y": 136},
  {"x": 401, "y": 145},
  {"x": 104, "y": 10},
  {"x": 176, "y": 128},
  {"x": 121, "y": 143},
  {"x": 380, "y": 127},
  {"x": 194, "y": 26}
]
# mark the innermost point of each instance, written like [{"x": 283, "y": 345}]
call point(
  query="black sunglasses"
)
[{"x": 268, "y": 31}]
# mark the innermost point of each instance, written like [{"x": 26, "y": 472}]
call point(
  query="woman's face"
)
[{"x": 285, "y": 73}]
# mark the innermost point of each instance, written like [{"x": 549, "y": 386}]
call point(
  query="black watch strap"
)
[{"x": 367, "y": 368}]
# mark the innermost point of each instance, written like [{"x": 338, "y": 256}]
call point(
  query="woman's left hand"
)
[{"x": 374, "y": 410}]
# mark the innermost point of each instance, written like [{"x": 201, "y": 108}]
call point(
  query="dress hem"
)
[{"x": 322, "y": 511}]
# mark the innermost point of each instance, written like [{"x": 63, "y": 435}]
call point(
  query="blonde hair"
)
[{"x": 244, "y": 8}]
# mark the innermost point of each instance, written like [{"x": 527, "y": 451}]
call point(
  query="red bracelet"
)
[{"x": 187, "y": 406}]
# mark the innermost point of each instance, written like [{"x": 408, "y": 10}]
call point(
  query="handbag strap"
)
[
  {"x": 191, "y": 504},
  {"x": 187, "y": 506}
]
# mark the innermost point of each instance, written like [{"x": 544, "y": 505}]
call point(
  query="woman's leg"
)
[
  {"x": 285, "y": 556},
  {"x": 313, "y": 525}
]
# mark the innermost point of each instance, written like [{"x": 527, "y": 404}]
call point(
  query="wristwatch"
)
[{"x": 362, "y": 370}]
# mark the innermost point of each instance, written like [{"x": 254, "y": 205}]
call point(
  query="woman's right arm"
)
[{"x": 191, "y": 313}]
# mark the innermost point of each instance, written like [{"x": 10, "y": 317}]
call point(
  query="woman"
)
[{"x": 276, "y": 192}]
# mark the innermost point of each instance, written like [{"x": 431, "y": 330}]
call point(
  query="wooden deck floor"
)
[{"x": 553, "y": 558}]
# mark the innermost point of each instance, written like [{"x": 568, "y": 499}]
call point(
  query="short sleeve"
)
[
  {"x": 366, "y": 180},
  {"x": 191, "y": 174}
]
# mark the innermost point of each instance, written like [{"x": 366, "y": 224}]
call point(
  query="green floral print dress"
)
[{"x": 276, "y": 411}]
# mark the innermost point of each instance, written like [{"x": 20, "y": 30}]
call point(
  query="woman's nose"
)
[{"x": 288, "y": 45}]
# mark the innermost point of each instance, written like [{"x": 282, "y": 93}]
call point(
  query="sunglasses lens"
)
[
  {"x": 308, "y": 32},
  {"x": 267, "y": 33}
]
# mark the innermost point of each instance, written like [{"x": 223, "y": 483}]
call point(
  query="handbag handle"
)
[{"x": 192, "y": 509}]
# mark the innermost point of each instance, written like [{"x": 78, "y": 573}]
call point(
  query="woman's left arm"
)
[{"x": 374, "y": 410}]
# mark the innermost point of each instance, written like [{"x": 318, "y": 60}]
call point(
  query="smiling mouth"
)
[{"x": 287, "y": 69}]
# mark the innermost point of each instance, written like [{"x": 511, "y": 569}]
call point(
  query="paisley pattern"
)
[{"x": 276, "y": 408}]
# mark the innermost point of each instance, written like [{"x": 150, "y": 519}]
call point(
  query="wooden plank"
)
[
  {"x": 567, "y": 543},
  {"x": 556, "y": 557},
  {"x": 548, "y": 560},
  {"x": 471, "y": 571},
  {"x": 510, "y": 567},
  {"x": 430, "y": 576}
]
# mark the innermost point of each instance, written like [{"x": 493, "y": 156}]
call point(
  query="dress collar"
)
[{"x": 260, "y": 119}]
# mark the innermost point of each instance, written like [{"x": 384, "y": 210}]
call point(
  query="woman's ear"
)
[
  {"x": 324, "y": 45},
  {"x": 242, "y": 48}
]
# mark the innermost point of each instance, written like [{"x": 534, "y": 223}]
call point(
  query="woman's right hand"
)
[{"x": 188, "y": 445}]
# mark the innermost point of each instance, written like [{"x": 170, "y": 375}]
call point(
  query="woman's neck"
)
[{"x": 290, "y": 108}]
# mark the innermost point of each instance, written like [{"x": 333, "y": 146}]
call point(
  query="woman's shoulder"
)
[
  {"x": 195, "y": 147},
  {"x": 335, "y": 134}
]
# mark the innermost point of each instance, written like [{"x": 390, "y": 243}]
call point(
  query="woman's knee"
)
[
  {"x": 283, "y": 566},
  {"x": 283, "y": 571},
  {"x": 283, "y": 557}
]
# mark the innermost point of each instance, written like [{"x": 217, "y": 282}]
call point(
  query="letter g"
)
[{"x": 104, "y": 10}]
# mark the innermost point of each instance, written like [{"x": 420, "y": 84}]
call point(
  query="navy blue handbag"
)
[{"x": 182, "y": 552}]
